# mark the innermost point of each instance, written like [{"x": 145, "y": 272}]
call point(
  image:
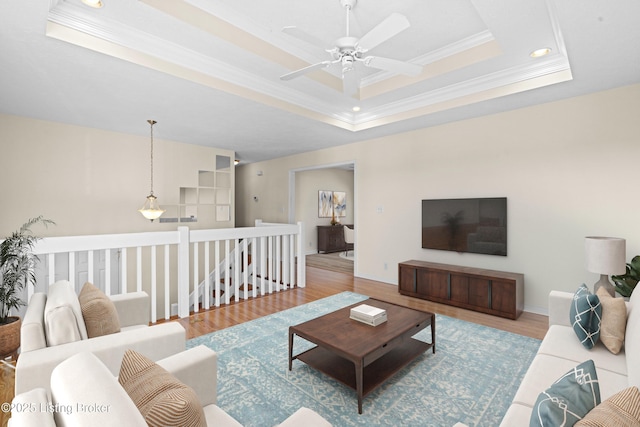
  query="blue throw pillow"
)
[
  {"x": 569, "y": 399},
  {"x": 585, "y": 316}
]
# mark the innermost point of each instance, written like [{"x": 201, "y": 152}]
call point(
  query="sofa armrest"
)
[
  {"x": 34, "y": 368},
  {"x": 32, "y": 329},
  {"x": 197, "y": 368},
  {"x": 559, "y": 306},
  {"x": 87, "y": 394},
  {"x": 305, "y": 417},
  {"x": 31, "y": 409},
  {"x": 133, "y": 308}
]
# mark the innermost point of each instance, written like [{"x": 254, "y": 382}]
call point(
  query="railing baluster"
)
[
  {"x": 216, "y": 260},
  {"x": 236, "y": 273},
  {"x": 107, "y": 271},
  {"x": 270, "y": 262},
  {"x": 167, "y": 281},
  {"x": 285, "y": 262},
  {"x": 139, "y": 268},
  {"x": 206, "y": 276},
  {"x": 255, "y": 257},
  {"x": 196, "y": 294},
  {"x": 263, "y": 265},
  {"x": 123, "y": 270},
  {"x": 90, "y": 267},
  {"x": 52, "y": 269},
  {"x": 72, "y": 269},
  {"x": 154, "y": 291},
  {"x": 278, "y": 262},
  {"x": 245, "y": 266},
  {"x": 292, "y": 262},
  {"x": 227, "y": 274}
]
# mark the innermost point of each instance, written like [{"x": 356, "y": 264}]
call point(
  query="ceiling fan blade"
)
[
  {"x": 305, "y": 70},
  {"x": 350, "y": 82},
  {"x": 394, "y": 24},
  {"x": 304, "y": 36},
  {"x": 393, "y": 65}
]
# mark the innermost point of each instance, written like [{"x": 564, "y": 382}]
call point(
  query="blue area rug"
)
[{"x": 471, "y": 378}]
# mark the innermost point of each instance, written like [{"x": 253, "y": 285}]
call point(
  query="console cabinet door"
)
[
  {"x": 407, "y": 279},
  {"x": 503, "y": 296},
  {"x": 459, "y": 289},
  {"x": 433, "y": 284},
  {"x": 479, "y": 291}
]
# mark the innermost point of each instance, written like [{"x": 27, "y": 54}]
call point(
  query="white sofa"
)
[
  {"x": 37, "y": 360},
  {"x": 561, "y": 351},
  {"x": 84, "y": 380}
]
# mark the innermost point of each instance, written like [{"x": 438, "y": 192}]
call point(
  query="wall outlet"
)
[{"x": 385, "y": 266}]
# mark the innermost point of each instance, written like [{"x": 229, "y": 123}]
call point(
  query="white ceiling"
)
[{"x": 208, "y": 70}]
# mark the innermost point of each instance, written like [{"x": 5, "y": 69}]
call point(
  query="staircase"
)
[{"x": 238, "y": 277}]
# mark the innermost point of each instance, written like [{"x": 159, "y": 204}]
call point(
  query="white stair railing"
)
[
  {"x": 265, "y": 259},
  {"x": 165, "y": 263}
]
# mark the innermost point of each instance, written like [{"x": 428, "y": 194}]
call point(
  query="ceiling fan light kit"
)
[{"x": 349, "y": 50}]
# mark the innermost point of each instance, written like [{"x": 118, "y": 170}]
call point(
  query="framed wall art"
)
[{"x": 325, "y": 204}]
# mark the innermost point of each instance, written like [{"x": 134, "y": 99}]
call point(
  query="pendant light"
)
[{"x": 151, "y": 210}]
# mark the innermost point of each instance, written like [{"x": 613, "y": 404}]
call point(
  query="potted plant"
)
[
  {"x": 17, "y": 263},
  {"x": 626, "y": 283}
]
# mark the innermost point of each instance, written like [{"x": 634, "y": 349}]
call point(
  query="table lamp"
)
[{"x": 605, "y": 256}]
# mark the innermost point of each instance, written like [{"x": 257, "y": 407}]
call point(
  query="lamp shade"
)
[
  {"x": 151, "y": 210},
  {"x": 605, "y": 255}
]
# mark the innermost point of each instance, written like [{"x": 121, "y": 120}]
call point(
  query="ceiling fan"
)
[{"x": 349, "y": 50}]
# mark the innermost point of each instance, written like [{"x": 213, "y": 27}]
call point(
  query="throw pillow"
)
[
  {"x": 568, "y": 399},
  {"x": 614, "y": 321},
  {"x": 620, "y": 410},
  {"x": 62, "y": 315},
  {"x": 99, "y": 313},
  {"x": 584, "y": 315},
  {"x": 159, "y": 396}
]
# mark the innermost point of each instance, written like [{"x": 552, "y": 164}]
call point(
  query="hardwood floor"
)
[{"x": 321, "y": 283}]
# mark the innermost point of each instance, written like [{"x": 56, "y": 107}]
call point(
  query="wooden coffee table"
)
[{"x": 361, "y": 356}]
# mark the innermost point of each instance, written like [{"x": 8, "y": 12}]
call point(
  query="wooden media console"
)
[{"x": 494, "y": 292}]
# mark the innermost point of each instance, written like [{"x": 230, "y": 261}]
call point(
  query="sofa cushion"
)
[
  {"x": 160, "y": 397},
  {"x": 99, "y": 312},
  {"x": 585, "y": 314},
  {"x": 620, "y": 410},
  {"x": 561, "y": 341},
  {"x": 614, "y": 320},
  {"x": 569, "y": 399},
  {"x": 63, "y": 315}
]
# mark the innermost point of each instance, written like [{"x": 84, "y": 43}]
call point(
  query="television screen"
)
[{"x": 465, "y": 225}]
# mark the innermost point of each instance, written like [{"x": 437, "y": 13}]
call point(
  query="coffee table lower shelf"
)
[{"x": 375, "y": 374}]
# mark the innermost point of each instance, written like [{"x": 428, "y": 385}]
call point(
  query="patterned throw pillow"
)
[
  {"x": 99, "y": 314},
  {"x": 585, "y": 316},
  {"x": 159, "y": 396},
  {"x": 568, "y": 399},
  {"x": 614, "y": 321},
  {"x": 620, "y": 410}
]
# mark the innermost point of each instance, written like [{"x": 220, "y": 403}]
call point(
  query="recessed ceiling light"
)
[
  {"x": 540, "y": 52},
  {"x": 356, "y": 109},
  {"x": 93, "y": 3}
]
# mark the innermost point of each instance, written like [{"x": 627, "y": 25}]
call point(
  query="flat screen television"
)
[{"x": 465, "y": 225}]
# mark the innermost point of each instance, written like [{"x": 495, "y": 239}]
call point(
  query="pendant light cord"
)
[{"x": 152, "y": 122}]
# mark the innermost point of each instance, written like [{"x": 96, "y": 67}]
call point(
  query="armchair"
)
[
  {"x": 39, "y": 356},
  {"x": 349, "y": 238},
  {"x": 83, "y": 379}
]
